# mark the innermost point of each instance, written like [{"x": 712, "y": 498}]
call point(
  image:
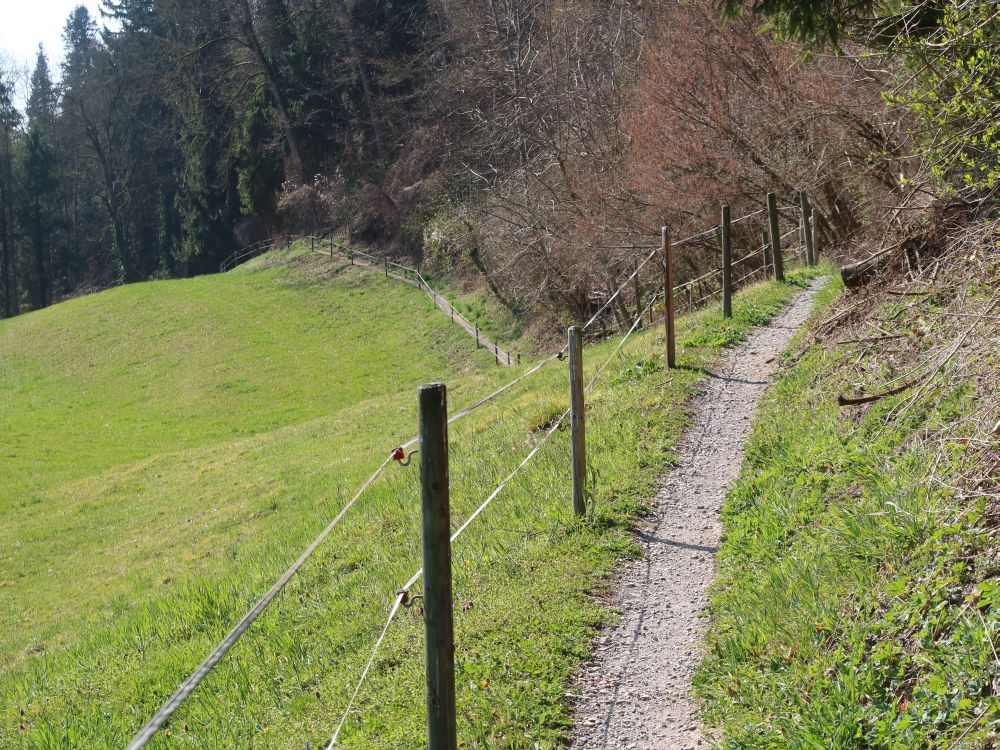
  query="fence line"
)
[
  {"x": 503, "y": 357},
  {"x": 188, "y": 686},
  {"x": 402, "y": 594}
]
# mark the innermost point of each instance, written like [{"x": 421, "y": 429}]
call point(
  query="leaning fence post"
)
[
  {"x": 668, "y": 296},
  {"x": 772, "y": 221},
  {"x": 438, "y": 618},
  {"x": 727, "y": 266},
  {"x": 577, "y": 421}
]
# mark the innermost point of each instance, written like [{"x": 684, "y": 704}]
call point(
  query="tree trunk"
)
[
  {"x": 11, "y": 306},
  {"x": 344, "y": 17},
  {"x": 294, "y": 168}
]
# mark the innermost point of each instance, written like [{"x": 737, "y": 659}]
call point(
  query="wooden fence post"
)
[
  {"x": 331, "y": 248},
  {"x": 727, "y": 265},
  {"x": 807, "y": 234},
  {"x": 385, "y": 262},
  {"x": 438, "y": 617},
  {"x": 577, "y": 420},
  {"x": 637, "y": 288},
  {"x": 496, "y": 354},
  {"x": 772, "y": 221},
  {"x": 477, "y": 336},
  {"x": 668, "y": 297},
  {"x": 766, "y": 249}
]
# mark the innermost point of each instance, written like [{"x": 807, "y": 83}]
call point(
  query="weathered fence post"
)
[
  {"x": 496, "y": 354},
  {"x": 312, "y": 243},
  {"x": 438, "y": 618},
  {"x": 766, "y": 249},
  {"x": 668, "y": 297},
  {"x": 331, "y": 248},
  {"x": 807, "y": 227},
  {"x": 772, "y": 222},
  {"x": 727, "y": 265},
  {"x": 477, "y": 336},
  {"x": 577, "y": 420},
  {"x": 637, "y": 288}
]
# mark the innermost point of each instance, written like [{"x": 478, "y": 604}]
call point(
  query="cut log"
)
[{"x": 860, "y": 273}]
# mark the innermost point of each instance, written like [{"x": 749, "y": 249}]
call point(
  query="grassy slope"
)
[
  {"x": 167, "y": 514},
  {"x": 131, "y": 418},
  {"x": 857, "y": 598}
]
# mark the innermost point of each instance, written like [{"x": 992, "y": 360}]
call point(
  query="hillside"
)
[
  {"x": 166, "y": 516},
  {"x": 132, "y": 421},
  {"x": 858, "y": 604}
]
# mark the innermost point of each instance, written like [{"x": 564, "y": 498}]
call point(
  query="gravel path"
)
[{"x": 635, "y": 692}]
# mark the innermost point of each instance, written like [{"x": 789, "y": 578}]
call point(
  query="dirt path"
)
[
  {"x": 410, "y": 276},
  {"x": 635, "y": 693}
]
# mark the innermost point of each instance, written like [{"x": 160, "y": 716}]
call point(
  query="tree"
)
[
  {"x": 9, "y": 122},
  {"x": 942, "y": 56},
  {"x": 38, "y": 191}
]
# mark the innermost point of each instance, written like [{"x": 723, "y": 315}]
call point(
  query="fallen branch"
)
[{"x": 847, "y": 401}]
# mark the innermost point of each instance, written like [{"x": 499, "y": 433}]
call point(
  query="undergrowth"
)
[{"x": 858, "y": 604}]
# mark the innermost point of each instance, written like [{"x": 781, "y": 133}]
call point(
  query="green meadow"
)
[{"x": 168, "y": 448}]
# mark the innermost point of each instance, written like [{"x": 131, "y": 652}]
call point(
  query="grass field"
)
[{"x": 170, "y": 447}]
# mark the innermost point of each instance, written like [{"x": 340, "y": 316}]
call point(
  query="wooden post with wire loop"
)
[
  {"x": 772, "y": 222},
  {"x": 727, "y": 265},
  {"x": 577, "y": 421},
  {"x": 668, "y": 297},
  {"x": 438, "y": 616},
  {"x": 807, "y": 232}
]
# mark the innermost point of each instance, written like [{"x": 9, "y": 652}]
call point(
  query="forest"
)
[{"x": 529, "y": 143}]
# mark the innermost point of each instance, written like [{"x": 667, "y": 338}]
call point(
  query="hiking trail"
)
[{"x": 634, "y": 694}]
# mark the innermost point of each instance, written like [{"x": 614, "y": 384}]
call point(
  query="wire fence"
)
[{"x": 703, "y": 285}]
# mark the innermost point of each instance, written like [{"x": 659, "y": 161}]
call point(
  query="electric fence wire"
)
[
  {"x": 693, "y": 237},
  {"x": 748, "y": 216},
  {"x": 635, "y": 325},
  {"x": 187, "y": 687},
  {"x": 614, "y": 296},
  {"x": 403, "y": 592}
]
